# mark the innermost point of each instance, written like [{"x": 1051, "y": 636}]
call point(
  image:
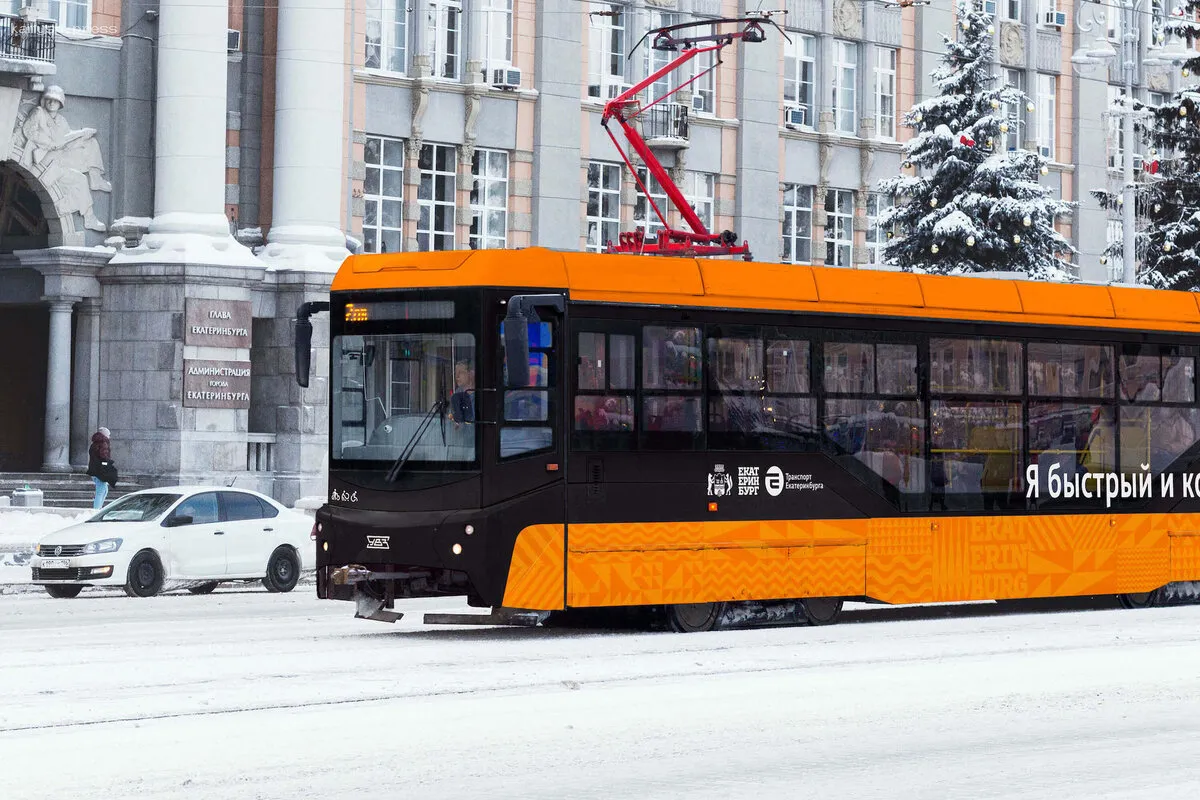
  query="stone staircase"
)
[{"x": 62, "y": 490}]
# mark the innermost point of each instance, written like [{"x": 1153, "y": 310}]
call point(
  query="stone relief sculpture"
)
[
  {"x": 847, "y": 19},
  {"x": 67, "y": 162},
  {"x": 1012, "y": 44}
]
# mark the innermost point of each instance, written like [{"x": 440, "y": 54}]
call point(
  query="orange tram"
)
[{"x": 544, "y": 431}]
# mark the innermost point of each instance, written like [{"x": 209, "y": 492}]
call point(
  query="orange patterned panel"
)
[
  {"x": 1185, "y": 555},
  {"x": 626, "y": 578},
  {"x": 535, "y": 574},
  {"x": 907, "y": 560}
]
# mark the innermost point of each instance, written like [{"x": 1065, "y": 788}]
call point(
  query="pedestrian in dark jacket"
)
[{"x": 100, "y": 465}]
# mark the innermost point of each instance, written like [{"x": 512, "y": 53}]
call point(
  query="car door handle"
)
[
  {"x": 218, "y": 533},
  {"x": 268, "y": 529}
]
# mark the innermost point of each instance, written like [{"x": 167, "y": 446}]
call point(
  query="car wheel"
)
[
  {"x": 204, "y": 588},
  {"x": 145, "y": 577},
  {"x": 64, "y": 592},
  {"x": 283, "y": 570}
]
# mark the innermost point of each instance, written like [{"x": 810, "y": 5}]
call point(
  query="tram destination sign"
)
[
  {"x": 217, "y": 323},
  {"x": 216, "y": 384}
]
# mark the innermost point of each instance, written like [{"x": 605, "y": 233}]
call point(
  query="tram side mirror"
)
[
  {"x": 303, "y": 351},
  {"x": 516, "y": 347},
  {"x": 303, "y": 340},
  {"x": 522, "y": 310}
]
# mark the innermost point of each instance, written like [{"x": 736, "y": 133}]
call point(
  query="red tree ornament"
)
[
  {"x": 1152, "y": 167},
  {"x": 967, "y": 140}
]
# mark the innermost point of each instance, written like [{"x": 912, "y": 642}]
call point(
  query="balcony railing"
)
[
  {"x": 666, "y": 124},
  {"x": 28, "y": 40}
]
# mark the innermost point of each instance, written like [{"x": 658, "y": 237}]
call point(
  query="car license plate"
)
[{"x": 55, "y": 563}]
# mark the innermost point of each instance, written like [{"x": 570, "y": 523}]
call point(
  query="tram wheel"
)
[
  {"x": 694, "y": 617},
  {"x": 1142, "y": 599},
  {"x": 821, "y": 610}
]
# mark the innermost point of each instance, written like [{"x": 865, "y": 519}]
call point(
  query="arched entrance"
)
[
  {"x": 23, "y": 224},
  {"x": 24, "y": 322}
]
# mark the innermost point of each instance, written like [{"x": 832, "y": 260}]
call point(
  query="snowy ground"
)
[{"x": 243, "y": 694}]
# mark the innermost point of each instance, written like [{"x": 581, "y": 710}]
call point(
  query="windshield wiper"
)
[{"x": 411, "y": 444}]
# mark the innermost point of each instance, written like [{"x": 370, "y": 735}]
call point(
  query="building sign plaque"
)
[
  {"x": 216, "y": 384},
  {"x": 217, "y": 323}
]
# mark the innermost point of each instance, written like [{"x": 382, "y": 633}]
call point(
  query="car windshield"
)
[
  {"x": 386, "y": 385},
  {"x": 136, "y": 508}
]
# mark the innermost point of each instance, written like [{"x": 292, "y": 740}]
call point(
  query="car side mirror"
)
[
  {"x": 522, "y": 310},
  {"x": 175, "y": 522}
]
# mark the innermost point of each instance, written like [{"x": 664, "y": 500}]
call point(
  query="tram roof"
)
[{"x": 713, "y": 283}]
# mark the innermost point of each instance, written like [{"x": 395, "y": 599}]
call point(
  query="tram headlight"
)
[
  {"x": 456, "y": 549},
  {"x": 469, "y": 529}
]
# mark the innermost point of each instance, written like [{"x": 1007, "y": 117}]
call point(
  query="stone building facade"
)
[{"x": 163, "y": 162}]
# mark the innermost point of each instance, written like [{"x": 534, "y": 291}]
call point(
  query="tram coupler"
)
[{"x": 499, "y": 616}]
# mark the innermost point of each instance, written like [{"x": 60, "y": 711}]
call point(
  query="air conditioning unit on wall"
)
[
  {"x": 1054, "y": 19},
  {"x": 235, "y": 40},
  {"x": 506, "y": 78}
]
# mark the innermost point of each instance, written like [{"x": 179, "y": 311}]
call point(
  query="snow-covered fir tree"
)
[
  {"x": 1168, "y": 192},
  {"x": 973, "y": 206}
]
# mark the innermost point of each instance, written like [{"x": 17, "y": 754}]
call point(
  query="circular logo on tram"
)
[{"x": 773, "y": 481}]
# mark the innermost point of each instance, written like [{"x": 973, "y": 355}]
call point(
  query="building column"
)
[
  {"x": 58, "y": 386},
  {"x": 189, "y": 225},
  {"x": 85, "y": 394},
  {"x": 309, "y": 138}
]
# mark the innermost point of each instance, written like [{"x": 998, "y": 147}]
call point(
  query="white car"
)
[{"x": 204, "y": 534}]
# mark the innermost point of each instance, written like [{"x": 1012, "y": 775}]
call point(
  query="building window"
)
[
  {"x": 72, "y": 14},
  {"x": 387, "y": 35},
  {"x": 885, "y": 92},
  {"x": 606, "y": 50},
  {"x": 839, "y": 227},
  {"x": 489, "y": 200},
  {"x": 876, "y": 233},
  {"x": 1012, "y": 9},
  {"x": 797, "y": 223},
  {"x": 704, "y": 88},
  {"x": 799, "y": 79},
  {"x": 699, "y": 189},
  {"x": 435, "y": 197},
  {"x": 1047, "y": 107},
  {"x": 492, "y": 35},
  {"x": 443, "y": 37},
  {"x": 643, "y": 214},
  {"x": 1115, "y": 139},
  {"x": 845, "y": 85},
  {"x": 1015, "y": 112},
  {"x": 383, "y": 195},
  {"x": 604, "y": 205},
  {"x": 654, "y": 60}
]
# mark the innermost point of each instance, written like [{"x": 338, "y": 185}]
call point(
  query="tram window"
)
[
  {"x": 522, "y": 409},
  {"x": 591, "y": 362},
  {"x": 1070, "y": 370},
  {"x": 975, "y": 366},
  {"x": 672, "y": 414},
  {"x": 1156, "y": 435},
  {"x": 896, "y": 367},
  {"x": 621, "y": 361},
  {"x": 736, "y": 365},
  {"x": 1078, "y": 438},
  {"x": 1157, "y": 379},
  {"x": 749, "y": 382},
  {"x": 604, "y": 416},
  {"x": 975, "y": 458},
  {"x": 888, "y": 436},
  {"x": 671, "y": 358},
  {"x": 849, "y": 368},
  {"x": 787, "y": 366}
]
